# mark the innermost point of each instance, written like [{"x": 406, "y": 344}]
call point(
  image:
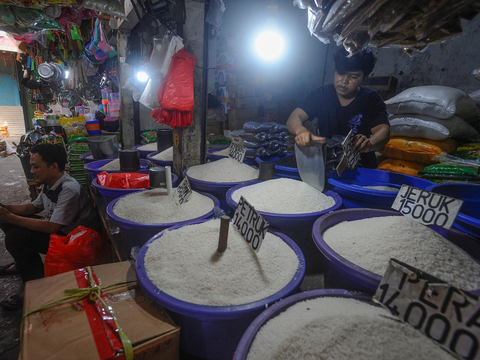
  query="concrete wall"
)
[{"x": 303, "y": 68}]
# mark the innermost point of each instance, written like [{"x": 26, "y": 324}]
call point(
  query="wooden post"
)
[{"x": 223, "y": 237}]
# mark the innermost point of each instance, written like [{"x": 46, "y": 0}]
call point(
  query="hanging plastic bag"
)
[
  {"x": 149, "y": 96},
  {"x": 82, "y": 247},
  {"x": 215, "y": 13}
]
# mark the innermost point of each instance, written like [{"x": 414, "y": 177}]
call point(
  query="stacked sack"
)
[
  {"x": 426, "y": 121},
  {"x": 265, "y": 139}
]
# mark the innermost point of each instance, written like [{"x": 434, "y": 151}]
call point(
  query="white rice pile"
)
[
  {"x": 148, "y": 147},
  {"x": 370, "y": 243},
  {"x": 223, "y": 171},
  {"x": 284, "y": 196},
  {"x": 223, "y": 152},
  {"x": 153, "y": 207},
  {"x": 340, "y": 328},
  {"x": 383, "y": 188},
  {"x": 165, "y": 155},
  {"x": 111, "y": 166},
  {"x": 185, "y": 264}
]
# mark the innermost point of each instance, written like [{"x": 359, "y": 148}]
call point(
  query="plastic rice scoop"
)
[{"x": 311, "y": 160}]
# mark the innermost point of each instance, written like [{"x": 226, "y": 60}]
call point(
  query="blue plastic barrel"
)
[
  {"x": 281, "y": 171},
  {"x": 144, "y": 153},
  {"x": 110, "y": 194},
  {"x": 213, "y": 332},
  {"x": 158, "y": 162},
  {"x": 137, "y": 234},
  {"x": 297, "y": 226},
  {"x": 219, "y": 190},
  {"x": 94, "y": 166},
  {"x": 341, "y": 273},
  {"x": 349, "y": 187},
  {"x": 468, "y": 219},
  {"x": 212, "y": 157},
  {"x": 243, "y": 348}
]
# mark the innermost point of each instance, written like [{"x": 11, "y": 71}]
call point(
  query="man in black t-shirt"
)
[{"x": 344, "y": 106}]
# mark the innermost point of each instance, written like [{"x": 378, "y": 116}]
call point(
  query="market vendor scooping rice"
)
[
  {"x": 66, "y": 206},
  {"x": 345, "y": 105}
]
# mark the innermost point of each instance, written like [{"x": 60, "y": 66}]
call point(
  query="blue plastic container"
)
[
  {"x": 219, "y": 190},
  {"x": 468, "y": 219},
  {"x": 213, "y": 332},
  {"x": 144, "y": 153},
  {"x": 297, "y": 226},
  {"x": 281, "y": 171},
  {"x": 137, "y": 234},
  {"x": 110, "y": 194},
  {"x": 94, "y": 166},
  {"x": 85, "y": 158},
  {"x": 243, "y": 348},
  {"x": 158, "y": 162},
  {"x": 341, "y": 273},
  {"x": 349, "y": 187},
  {"x": 212, "y": 157}
]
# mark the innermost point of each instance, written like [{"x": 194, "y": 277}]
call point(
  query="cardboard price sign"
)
[
  {"x": 445, "y": 314},
  {"x": 237, "y": 152},
  {"x": 183, "y": 192},
  {"x": 426, "y": 207},
  {"x": 350, "y": 156},
  {"x": 250, "y": 224}
]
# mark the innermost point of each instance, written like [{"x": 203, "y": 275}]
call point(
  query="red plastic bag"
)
[
  {"x": 82, "y": 247},
  {"x": 176, "y": 92},
  {"x": 125, "y": 180}
]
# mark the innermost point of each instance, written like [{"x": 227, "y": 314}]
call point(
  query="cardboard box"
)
[{"x": 64, "y": 331}]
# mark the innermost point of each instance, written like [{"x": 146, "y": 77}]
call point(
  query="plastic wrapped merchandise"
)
[
  {"x": 256, "y": 137},
  {"x": 450, "y": 172},
  {"x": 314, "y": 24},
  {"x": 255, "y": 127},
  {"x": 111, "y": 7},
  {"x": 215, "y": 13},
  {"x": 251, "y": 152}
]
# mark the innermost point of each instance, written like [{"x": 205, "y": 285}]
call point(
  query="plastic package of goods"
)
[
  {"x": 111, "y": 7},
  {"x": 123, "y": 180},
  {"x": 370, "y": 244},
  {"x": 254, "y": 137},
  {"x": 255, "y": 127},
  {"x": 223, "y": 171},
  {"x": 260, "y": 151},
  {"x": 468, "y": 154},
  {"x": 417, "y": 150},
  {"x": 469, "y": 147},
  {"x": 451, "y": 172},
  {"x": 284, "y": 196},
  {"x": 427, "y": 127},
  {"x": 333, "y": 324},
  {"x": 149, "y": 136},
  {"x": 437, "y": 101},
  {"x": 401, "y": 166}
]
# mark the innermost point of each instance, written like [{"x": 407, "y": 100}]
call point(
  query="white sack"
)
[
  {"x": 149, "y": 97},
  {"x": 426, "y": 127},
  {"x": 441, "y": 102}
]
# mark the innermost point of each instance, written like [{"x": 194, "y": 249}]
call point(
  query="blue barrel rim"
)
[
  {"x": 245, "y": 343},
  {"x": 158, "y": 162},
  {"x": 364, "y": 191},
  {"x": 119, "y": 220},
  {"x": 338, "y": 203},
  {"x": 370, "y": 278},
  {"x": 84, "y": 156},
  {"x": 217, "y": 184},
  {"x": 216, "y": 312}
]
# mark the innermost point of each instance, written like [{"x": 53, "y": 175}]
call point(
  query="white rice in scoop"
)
[
  {"x": 185, "y": 264},
  {"x": 223, "y": 171},
  {"x": 370, "y": 243},
  {"x": 340, "y": 328},
  {"x": 284, "y": 196},
  {"x": 153, "y": 207},
  {"x": 165, "y": 155}
]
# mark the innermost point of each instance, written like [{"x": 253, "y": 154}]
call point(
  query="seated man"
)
[{"x": 66, "y": 206}]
